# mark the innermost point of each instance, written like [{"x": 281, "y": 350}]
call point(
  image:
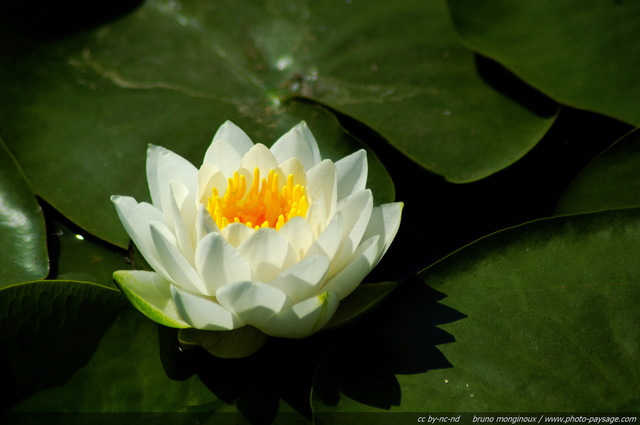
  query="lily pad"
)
[
  {"x": 399, "y": 68},
  {"x": 79, "y": 347},
  {"x": 50, "y": 329},
  {"x": 76, "y": 352},
  {"x": 611, "y": 181},
  {"x": 551, "y": 323},
  {"x": 81, "y": 110},
  {"x": 579, "y": 53},
  {"x": 23, "y": 246}
]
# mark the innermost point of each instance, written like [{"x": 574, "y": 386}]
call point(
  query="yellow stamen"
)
[{"x": 265, "y": 204}]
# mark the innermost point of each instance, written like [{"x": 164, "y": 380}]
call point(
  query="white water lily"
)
[{"x": 269, "y": 238}]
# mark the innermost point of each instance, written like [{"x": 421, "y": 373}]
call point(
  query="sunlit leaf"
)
[
  {"x": 23, "y": 245},
  {"x": 551, "y": 322},
  {"x": 399, "y": 68},
  {"x": 79, "y": 111},
  {"x": 580, "y": 53}
]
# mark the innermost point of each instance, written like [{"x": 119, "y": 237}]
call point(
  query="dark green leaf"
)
[
  {"x": 79, "y": 347},
  {"x": 580, "y": 53},
  {"x": 50, "y": 329},
  {"x": 99, "y": 126},
  {"x": 552, "y": 317},
  {"x": 80, "y": 111},
  {"x": 23, "y": 245},
  {"x": 399, "y": 68},
  {"x": 611, "y": 181},
  {"x": 552, "y": 322}
]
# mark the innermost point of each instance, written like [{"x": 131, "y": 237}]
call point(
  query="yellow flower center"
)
[{"x": 265, "y": 204}]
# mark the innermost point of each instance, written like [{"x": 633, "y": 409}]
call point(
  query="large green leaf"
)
[
  {"x": 399, "y": 68},
  {"x": 77, "y": 352},
  {"x": 579, "y": 52},
  {"x": 611, "y": 181},
  {"x": 49, "y": 330},
  {"x": 79, "y": 347},
  {"x": 23, "y": 245},
  {"x": 79, "y": 111},
  {"x": 551, "y": 325}
]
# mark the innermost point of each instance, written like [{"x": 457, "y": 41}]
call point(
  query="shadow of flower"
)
[
  {"x": 401, "y": 338},
  {"x": 359, "y": 360},
  {"x": 282, "y": 371}
]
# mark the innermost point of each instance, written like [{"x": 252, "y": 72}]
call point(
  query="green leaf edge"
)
[
  {"x": 45, "y": 268},
  {"x": 564, "y": 207},
  {"x": 57, "y": 281},
  {"x": 421, "y": 274},
  {"x": 561, "y": 100}
]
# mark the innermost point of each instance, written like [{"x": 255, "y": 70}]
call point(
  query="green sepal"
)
[{"x": 150, "y": 294}]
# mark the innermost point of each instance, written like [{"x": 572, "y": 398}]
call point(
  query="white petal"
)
[
  {"x": 317, "y": 214},
  {"x": 227, "y": 148},
  {"x": 163, "y": 166},
  {"x": 301, "y": 280},
  {"x": 204, "y": 223},
  {"x": 360, "y": 264},
  {"x": 328, "y": 242},
  {"x": 299, "y": 234},
  {"x": 384, "y": 222},
  {"x": 268, "y": 253},
  {"x": 180, "y": 271},
  {"x": 356, "y": 210},
  {"x": 258, "y": 156},
  {"x": 135, "y": 218},
  {"x": 219, "y": 263},
  {"x": 253, "y": 302},
  {"x": 151, "y": 295},
  {"x": 203, "y": 312},
  {"x": 322, "y": 180},
  {"x": 297, "y": 143},
  {"x": 302, "y": 319},
  {"x": 210, "y": 176},
  {"x": 294, "y": 167},
  {"x": 352, "y": 173},
  {"x": 152, "y": 173},
  {"x": 183, "y": 214},
  {"x": 237, "y": 233}
]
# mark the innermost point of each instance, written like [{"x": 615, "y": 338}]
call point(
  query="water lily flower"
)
[{"x": 270, "y": 238}]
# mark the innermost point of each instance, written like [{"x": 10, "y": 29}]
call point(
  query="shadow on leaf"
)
[
  {"x": 504, "y": 81},
  {"x": 282, "y": 370},
  {"x": 42, "y": 19},
  {"x": 359, "y": 360},
  {"x": 48, "y": 331},
  {"x": 401, "y": 338}
]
